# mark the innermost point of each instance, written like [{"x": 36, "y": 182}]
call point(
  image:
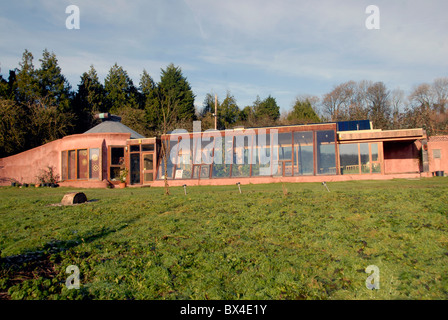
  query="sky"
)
[{"x": 250, "y": 48}]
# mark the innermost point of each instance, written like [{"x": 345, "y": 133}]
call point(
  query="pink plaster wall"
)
[
  {"x": 438, "y": 142},
  {"x": 26, "y": 166}
]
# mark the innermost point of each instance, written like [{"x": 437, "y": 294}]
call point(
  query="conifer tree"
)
[
  {"x": 119, "y": 89},
  {"x": 53, "y": 86},
  {"x": 267, "y": 108},
  {"x": 89, "y": 100},
  {"x": 228, "y": 112},
  {"x": 173, "y": 86},
  {"x": 302, "y": 113},
  {"x": 26, "y": 78}
]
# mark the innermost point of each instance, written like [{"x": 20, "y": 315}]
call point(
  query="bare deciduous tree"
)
[
  {"x": 167, "y": 106},
  {"x": 337, "y": 102},
  {"x": 440, "y": 89},
  {"x": 378, "y": 97}
]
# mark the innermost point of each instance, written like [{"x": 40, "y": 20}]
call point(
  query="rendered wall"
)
[{"x": 435, "y": 163}]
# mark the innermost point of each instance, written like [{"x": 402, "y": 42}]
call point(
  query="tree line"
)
[{"x": 38, "y": 105}]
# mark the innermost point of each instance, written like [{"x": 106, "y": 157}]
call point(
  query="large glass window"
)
[
  {"x": 221, "y": 167},
  {"x": 203, "y": 157},
  {"x": 326, "y": 152},
  {"x": 64, "y": 165},
  {"x": 376, "y": 166},
  {"x": 184, "y": 159},
  {"x": 261, "y": 164},
  {"x": 94, "y": 163},
  {"x": 359, "y": 158},
  {"x": 172, "y": 149},
  {"x": 284, "y": 163},
  {"x": 303, "y": 153},
  {"x": 349, "y": 158},
  {"x": 364, "y": 157},
  {"x": 71, "y": 174},
  {"x": 83, "y": 165},
  {"x": 241, "y": 154}
]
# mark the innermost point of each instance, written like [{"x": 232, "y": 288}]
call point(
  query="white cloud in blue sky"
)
[{"x": 282, "y": 48}]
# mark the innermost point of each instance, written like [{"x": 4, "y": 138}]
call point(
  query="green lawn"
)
[{"x": 276, "y": 241}]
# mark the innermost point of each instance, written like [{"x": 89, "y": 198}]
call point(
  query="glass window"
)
[
  {"x": 148, "y": 165},
  {"x": 287, "y": 168},
  {"x": 117, "y": 156},
  {"x": 205, "y": 171},
  {"x": 134, "y": 148},
  {"x": 241, "y": 156},
  {"x": 149, "y": 176},
  {"x": 203, "y": 150},
  {"x": 374, "y": 148},
  {"x": 94, "y": 163},
  {"x": 326, "y": 153},
  {"x": 184, "y": 159},
  {"x": 172, "y": 150},
  {"x": 114, "y": 173},
  {"x": 303, "y": 153},
  {"x": 261, "y": 164},
  {"x": 148, "y": 162},
  {"x": 64, "y": 165},
  {"x": 196, "y": 170},
  {"x": 83, "y": 165},
  {"x": 376, "y": 164},
  {"x": 134, "y": 173},
  {"x": 71, "y": 165},
  {"x": 348, "y": 157},
  {"x": 284, "y": 154},
  {"x": 116, "y": 162},
  {"x": 365, "y": 158},
  {"x": 285, "y": 146},
  {"x": 148, "y": 147},
  {"x": 221, "y": 169}
]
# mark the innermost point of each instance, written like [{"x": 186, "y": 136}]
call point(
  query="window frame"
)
[
  {"x": 76, "y": 172},
  {"x": 109, "y": 160}
]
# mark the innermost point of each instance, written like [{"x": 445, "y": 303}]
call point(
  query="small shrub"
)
[{"x": 48, "y": 175}]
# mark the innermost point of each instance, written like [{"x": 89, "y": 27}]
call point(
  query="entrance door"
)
[
  {"x": 135, "y": 168},
  {"x": 148, "y": 167}
]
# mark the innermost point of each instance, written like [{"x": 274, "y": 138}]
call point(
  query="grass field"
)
[{"x": 276, "y": 241}]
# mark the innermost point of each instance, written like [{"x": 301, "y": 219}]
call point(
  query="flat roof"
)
[{"x": 382, "y": 135}]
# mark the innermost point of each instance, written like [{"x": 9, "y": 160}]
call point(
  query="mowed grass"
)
[{"x": 275, "y": 241}]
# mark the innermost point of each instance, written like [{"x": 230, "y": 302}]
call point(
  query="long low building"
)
[{"x": 339, "y": 151}]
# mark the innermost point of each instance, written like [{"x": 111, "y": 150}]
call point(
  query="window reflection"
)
[
  {"x": 326, "y": 152},
  {"x": 303, "y": 153}
]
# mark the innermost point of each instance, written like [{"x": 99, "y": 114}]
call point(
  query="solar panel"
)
[{"x": 353, "y": 125}]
